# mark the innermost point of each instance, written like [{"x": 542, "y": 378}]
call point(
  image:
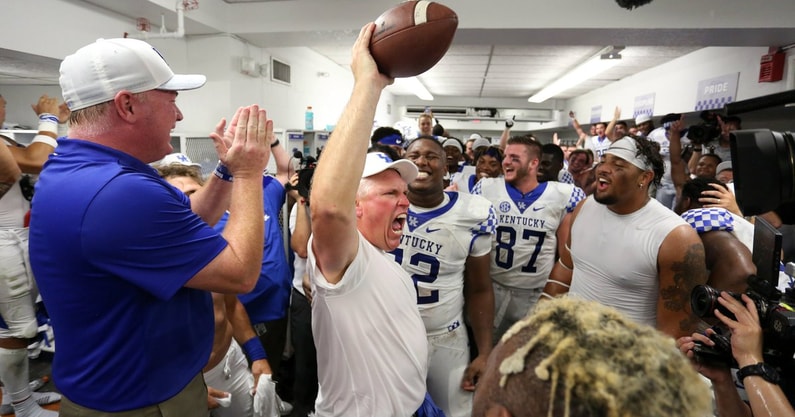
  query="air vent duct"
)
[{"x": 280, "y": 71}]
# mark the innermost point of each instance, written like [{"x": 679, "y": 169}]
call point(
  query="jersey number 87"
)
[{"x": 506, "y": 239}]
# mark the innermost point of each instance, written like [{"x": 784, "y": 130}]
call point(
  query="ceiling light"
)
[
  {"x": 588, "y": 69},
  {"x": 414, "y": 85}
]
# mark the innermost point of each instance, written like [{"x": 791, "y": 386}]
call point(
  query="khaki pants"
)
[{"x": 190, "y": 402}]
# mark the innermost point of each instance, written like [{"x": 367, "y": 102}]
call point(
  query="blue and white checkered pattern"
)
[
  {"x": 565, "y": 177},
  {"x": 576, "y": 195},
  {"x": 489, "y": 225},
  {"x": 709, "y": 219},
  {"x": 638, "y": 112},
  {"x": 713, "y": 103}
]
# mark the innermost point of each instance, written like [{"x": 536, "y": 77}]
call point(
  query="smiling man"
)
[
  {"x": 531, "y": 227},
  {"x": 125, "y": 262},
  {"x": 627, "y": 250},
  {"x": 445, "y": 247}
]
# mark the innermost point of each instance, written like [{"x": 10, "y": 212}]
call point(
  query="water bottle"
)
[{"x": 309, "y": 119}]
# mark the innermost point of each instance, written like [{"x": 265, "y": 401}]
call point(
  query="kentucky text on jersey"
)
[
  {"x": 420, "y": 243},
  {"x": 524, "y": 221}
]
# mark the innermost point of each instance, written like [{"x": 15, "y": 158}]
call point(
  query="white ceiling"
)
[{"x": 503, "y": 48}]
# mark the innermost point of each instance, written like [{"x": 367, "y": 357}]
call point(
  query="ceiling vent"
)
[
  {"x": 438, "y": 112},
  {"x": 483, "y": 113},
  {"x": 280, "y": 71},
  {"x": 250, "y": 1}
]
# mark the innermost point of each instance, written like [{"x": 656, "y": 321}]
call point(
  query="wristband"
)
[
  {"x": 699, "y": 149},
  {"x": 274, "y": 144},
  {"x": 560, "y": 261},
  {"x": 562, "y": 284},
  {"x": 48, "y": 123},
  {"x": 45, "y": 140},
  {"x": 222, "y": 172},
  {"x": 254, "y": 349}
]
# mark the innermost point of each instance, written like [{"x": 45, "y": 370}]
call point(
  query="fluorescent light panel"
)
[
  {"x": 584, "y": 71},
  {"x": 414, "y": 85}
]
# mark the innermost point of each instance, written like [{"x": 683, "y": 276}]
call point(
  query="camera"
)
[
  {"x": 708, "y": 130},
  {"x": 305, "y": 174},
  {"x": 761, "y": 156},
  {"x": 776, "y": 319}
]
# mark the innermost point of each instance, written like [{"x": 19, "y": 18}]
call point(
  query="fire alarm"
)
[{"x": 771, "y": 67}]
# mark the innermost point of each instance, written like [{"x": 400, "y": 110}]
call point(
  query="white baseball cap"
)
[
  {"x": 723, "y": 166},
  {"x": 97, "y": 72},
  {"x": 642, "y": 118},
  {"x": 176, "y": 158},
  {"x": 481, "y": 143},
  {"x": 475, "y": 136},
  {"x": 377, "y": 162}
]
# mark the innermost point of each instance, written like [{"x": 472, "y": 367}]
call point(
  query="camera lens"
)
[{"x": 704, "y": 300}]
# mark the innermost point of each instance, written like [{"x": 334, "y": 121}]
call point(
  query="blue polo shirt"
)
[
  {"x": 111, "y": 246},
  {"x": 270, "y": 298}
]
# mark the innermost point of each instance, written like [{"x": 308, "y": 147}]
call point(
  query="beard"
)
[{"x": 605, "y": 199}]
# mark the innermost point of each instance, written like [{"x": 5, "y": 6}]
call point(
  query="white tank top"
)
[
  {"x": 615, "y": 256},
  {"x": 13, "y": 208}
]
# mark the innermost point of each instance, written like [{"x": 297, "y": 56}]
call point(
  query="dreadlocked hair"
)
[
  {"x": 648, "y": 150},
  {"x": 597, "y": 363}
]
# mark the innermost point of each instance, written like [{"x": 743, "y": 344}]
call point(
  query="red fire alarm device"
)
[{"x": 771, "y": 67}]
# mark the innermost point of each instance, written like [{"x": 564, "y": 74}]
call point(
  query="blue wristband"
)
[
  {"x": 47, "y": 117},
  {"x": 254, "y": 349},
  {"x": 222, "y": 172}
]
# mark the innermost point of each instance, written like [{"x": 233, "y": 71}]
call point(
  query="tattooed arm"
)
[{"x": 680, "y": 264}]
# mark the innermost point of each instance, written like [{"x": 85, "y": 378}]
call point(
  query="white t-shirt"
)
[
  {"x": 615, "y": 256},
  {"x": 372, "y": 352}
]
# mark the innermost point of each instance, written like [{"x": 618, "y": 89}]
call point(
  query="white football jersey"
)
[
  {"x": 597, "y": 146},
  {"x": 465, "y": 182},
  {"x": 526, "y": 241},
  {"x": 434, "y": 248}
]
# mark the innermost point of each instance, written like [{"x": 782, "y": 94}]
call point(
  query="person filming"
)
[{"x": 769, "y": 395}]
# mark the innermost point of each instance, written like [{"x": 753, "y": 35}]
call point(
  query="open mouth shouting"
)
[{"x": 398, "y": 223}]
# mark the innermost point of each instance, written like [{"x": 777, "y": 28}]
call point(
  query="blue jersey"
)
[
  {"x": 270, "y": 297},
  {"x": 112, "y": 246}
]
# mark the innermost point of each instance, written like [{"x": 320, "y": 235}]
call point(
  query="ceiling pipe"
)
[{"x": 164, "y": 33}]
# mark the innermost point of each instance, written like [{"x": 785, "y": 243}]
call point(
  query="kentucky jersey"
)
[
  {"x": 434, "y": 248},
  {"x": 598, "y": 145},
  {"x": 526, "y": 241}
]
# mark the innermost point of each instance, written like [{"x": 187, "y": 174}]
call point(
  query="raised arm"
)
[
  {"x": 32, "y": 158},
  {"x": 236, "y": 269},
  {"x": 339, "y": 171},
  {"x": 282, "y": 161},
  {"x": 678, "y": 169},
  {"x": 300, "y": 236},
  {"x": 681, "y": 267},
  {"x": 506, "y": 134},
  {"x": 581, "y": 136},
  {"x": 612, "y": 124}
]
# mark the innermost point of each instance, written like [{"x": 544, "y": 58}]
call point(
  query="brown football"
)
[{"x": 412, "y": 37}]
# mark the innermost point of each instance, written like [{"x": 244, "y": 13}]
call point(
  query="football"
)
[{"x": 412, "y": 37}]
